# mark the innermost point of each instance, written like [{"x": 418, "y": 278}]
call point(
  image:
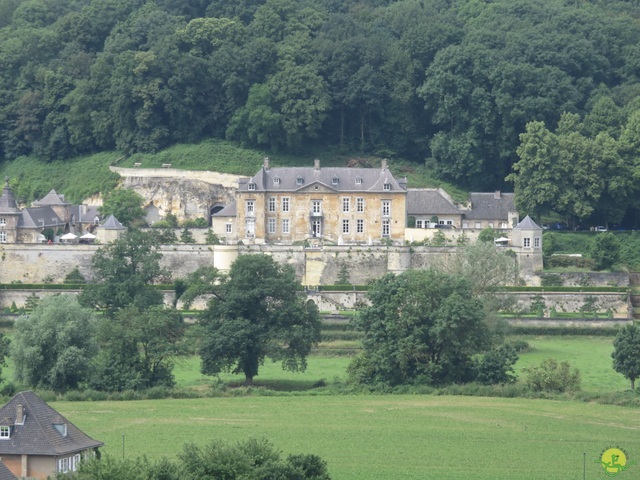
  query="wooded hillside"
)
[{"x": 452, "y": 84}]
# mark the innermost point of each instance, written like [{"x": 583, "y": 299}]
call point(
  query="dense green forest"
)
[{"x": 452, "y": 84}]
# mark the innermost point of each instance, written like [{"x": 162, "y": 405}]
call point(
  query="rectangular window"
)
[
  {"x": 449, "y": 222},
  {"x": 75, "y": 462},
  {"x": 418, "y": 223},
  {"x": 385, "y": 228},
  {"x": 490, "y": 224},
  {"x": 3, "y": 237},
  {"x": 252, "y": 186},
  {"x": 63, "y": 465},
  {"x": 285, "y": 204},
  {"x": 386, "y": 208},
  {"x": 228, "y": 228},
  {"x": 346, "y": 205},
  {"x": 271, "y": 225},
  {"x": 526, "y": 242},
  {"x": 360, "y": 225},
  {"x": 345, "y": 226},
  {"x": 3, "y": 221},
  {"x": 536, "y": 242},
  {"x": 478, "y": 225},
  {"x": 272, "y": 204},
  {"x": 251, "y": 207},
  {"x": 465, "y": 224},
  {"x": 386, "y": 187},
  {"x": 359, "y": 205},
  {"x": 316, "y": 206},
  {"x": 285, "y": 226},
  {"x": 5, "y": 432}
]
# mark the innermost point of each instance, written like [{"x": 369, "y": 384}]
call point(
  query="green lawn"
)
[
  {"x": 591, "y": 355},
  {"x": 382, "y": 437}
]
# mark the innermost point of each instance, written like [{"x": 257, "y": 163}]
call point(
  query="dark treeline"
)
[{"x": 449, "y": 83}]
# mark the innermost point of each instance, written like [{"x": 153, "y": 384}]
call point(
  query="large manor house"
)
[
  {"x": 349, "y": 206},
  {"x": 293, "y": 205}
]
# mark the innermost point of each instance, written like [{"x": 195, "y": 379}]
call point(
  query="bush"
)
[
  {"x": 551, "y": 280},
  {"x": 606, "y": 251},
  {"x": 551, "y": 376},
  {"x": 565, "y": 261},
  {"x": 195, "y": 223},
  {"x": 74, "y": 277},
  {"x": 496, "y": 366}
]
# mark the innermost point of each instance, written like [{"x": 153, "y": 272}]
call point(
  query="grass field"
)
[
  {"x": 392, "y": 437},
  {"x": 591, "y": 355}
]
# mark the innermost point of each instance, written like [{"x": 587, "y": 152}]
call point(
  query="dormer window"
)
[
  {"x": 5, "y": 432},
  {"x": 386, "y": 187},
  {"x": 358, "y": 180},
  {"x": 299, "y": 181},
  {"x": 335, "y": 181},
  {"x": 62, "y": 428},
  {"x": 276, "y": 180},
  {"x": 252, "y": 186}
]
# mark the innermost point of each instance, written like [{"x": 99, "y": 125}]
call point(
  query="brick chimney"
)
[
  {"x": 316, "y": 164},
  {"x": 19, "y": 414},
  {"x": 266, "y": 163}
]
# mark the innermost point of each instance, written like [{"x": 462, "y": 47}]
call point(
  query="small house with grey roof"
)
[
  {"x": 36, "y": 441},
  {"x": 339, "y": 205}
]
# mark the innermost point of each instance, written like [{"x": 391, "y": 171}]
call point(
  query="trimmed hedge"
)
[
  {"x": 567, "y": 261},
  {"x": 551, "y": 289},
  {"x": 593, "y": 331}
]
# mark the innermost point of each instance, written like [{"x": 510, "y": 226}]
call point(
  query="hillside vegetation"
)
[
  {"x": 82, "y": 177},
  {"x": 450, "y": 85}
]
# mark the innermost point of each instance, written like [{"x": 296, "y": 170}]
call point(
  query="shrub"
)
[
  {"x": 606, "y": 251},
  {"x": 212, "y": 238},
  {"x": 487, "y": 235},
  {"x": 195, "y": 223},
  {"x": 496, "y": 366},
  {"x": 551, "y": 280},
  {"x": 565, "y": 261},
  {"x": 74, "y": 277},
  {"x": 551, "y": 376},
  {"x": 186, "y": 236}
]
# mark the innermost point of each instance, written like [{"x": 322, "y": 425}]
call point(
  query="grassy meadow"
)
[
  {"x": 389, "y": 436},
  {"x": 368, "y": 437}
]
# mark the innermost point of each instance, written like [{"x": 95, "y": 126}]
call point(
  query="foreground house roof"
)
[
  {"x": 5, "y": 473},
  {"x": 41, "y": 430}
]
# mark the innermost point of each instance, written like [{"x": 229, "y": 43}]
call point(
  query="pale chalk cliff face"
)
[{"x": 185, "y": 194}]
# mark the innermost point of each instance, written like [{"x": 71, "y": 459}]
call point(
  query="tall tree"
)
[
  {"x": 124, "y": 274},
  {"x": 422, "y": 326},
  {"x": 124, "y": 204},
  {"x": 55, "y": 345},
  {"x": 626, "y": 353},
  {"x": 258, "y": 311}
]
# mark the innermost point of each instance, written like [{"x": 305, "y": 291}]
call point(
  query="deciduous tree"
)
[
  {"x": 55, "y": 345},
  {"x": 124, "y": 273},
  {"x": 626, "y": 352},
  {"x": 258, "y": 311},
  {"x": 423, "y": 326}
]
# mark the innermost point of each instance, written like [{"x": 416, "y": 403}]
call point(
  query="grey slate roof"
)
[
  {"x": 371, "y": 179},
  {"x": 228, "y": 211},
  {"x": 85, "y": 213},
  {"x": 39, "y": 217},
  {"x": 485, "y": 206},
  {"x": 5, "y": 473},
  {"x": 429, "y": 201},
  {"x": 38, "y": 435},
  {"x": 527, "y": 224},
  {"x": 51, "y": 198},
  {"x": 112, "y": 223},
  {"x": 7, "y": 200}
]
